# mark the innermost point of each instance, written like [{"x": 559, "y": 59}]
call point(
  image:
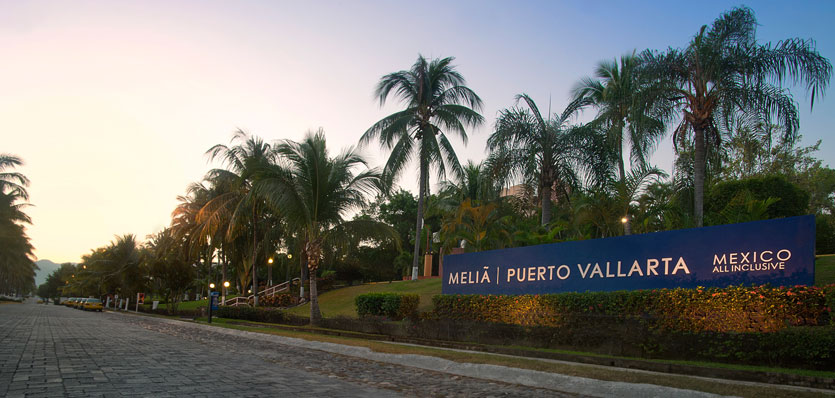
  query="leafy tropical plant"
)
[
  {"x": 625, "y": 110},
  {"x": 235, "y": 211},
  {"x": 722, "y": 71},
  {"x": 314, "y": 192},
  {"x": 17, "y": 268},
  {"x": 545, "y": 153},
  {"x": 438, "y": 102}
]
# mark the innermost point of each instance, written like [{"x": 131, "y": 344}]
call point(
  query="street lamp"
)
[
  {"x": 211, "y": 286},
  {"x": 270, "y": 271},
  {"x": 627, "y": 226},
  {"x": 225, "y": 288}
]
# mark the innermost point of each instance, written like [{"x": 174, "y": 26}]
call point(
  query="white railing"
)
[{"x": 268, "y": 292}]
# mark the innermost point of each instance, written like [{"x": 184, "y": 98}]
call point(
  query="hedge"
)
[
  {"x": 391, "y": 305},
  {"x": 194, "y": 313},
  {"x": 269, "y": 315},
  {"x": 731, "y": 309}
]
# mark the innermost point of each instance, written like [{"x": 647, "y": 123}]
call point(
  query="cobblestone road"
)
[{"x": 50, "y": 351}]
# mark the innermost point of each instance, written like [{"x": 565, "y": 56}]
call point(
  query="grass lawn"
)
[
  {"x": 341, "y": 301},
  {"x": 824, "y": 270}
]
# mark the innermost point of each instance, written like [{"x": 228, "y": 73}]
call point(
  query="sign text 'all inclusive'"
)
[{"x": 778, "y": 252}]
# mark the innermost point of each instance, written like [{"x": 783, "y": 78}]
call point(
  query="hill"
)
[{"x": 46, "y": 267}]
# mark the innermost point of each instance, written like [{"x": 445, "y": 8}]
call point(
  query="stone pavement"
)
[{"x": 49, "y": 351}]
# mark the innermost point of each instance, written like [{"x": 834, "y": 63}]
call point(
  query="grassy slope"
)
[
  {"x": 825, "y": 270},
  {"x": 341, "y": 301}
]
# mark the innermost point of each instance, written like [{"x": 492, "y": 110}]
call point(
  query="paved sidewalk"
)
[
  {"x": 53, "y": 351},
  {"x": 50, "y": 351}
]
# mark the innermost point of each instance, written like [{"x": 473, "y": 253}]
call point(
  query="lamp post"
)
[
  {"x": 225, "y": 288},
  {"x": 211, "y": 300},
  {"x": 627, "y": 224},
  {"x": 270, "y": 271}
]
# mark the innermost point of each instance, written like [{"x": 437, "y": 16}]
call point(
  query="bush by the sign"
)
[
  {"x": 731, "y": 309},
  {"x": 394, "y": 306}
]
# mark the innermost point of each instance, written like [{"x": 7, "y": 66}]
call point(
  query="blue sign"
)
[
  {"x": 779, "y": 252},
  {"x": 213, "y": 300}
]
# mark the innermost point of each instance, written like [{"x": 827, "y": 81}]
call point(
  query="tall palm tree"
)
[
  {"x": 724, "y": 71},
  {"x": 544, "y": 152},
  {"x": 437, "y": 102},
  {"x": 315, "y": 192},
  {"x": 624, "y": 109},
  {"x": 236, "y": 208},
  {"x": 17, "y": 269}
]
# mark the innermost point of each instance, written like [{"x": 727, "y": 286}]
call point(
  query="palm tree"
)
[
  {"x": 724, "y": 71},
  {"x": 544, "y": 152},
  {"x": 314, "y": 192},
  {"x": 17, "y": 270},
  {"x": 236, "y": 209},
  {"x": 475, "y": 183},
  {"x": 624, "y": 109},
  {"x": 437, "y": 102}
]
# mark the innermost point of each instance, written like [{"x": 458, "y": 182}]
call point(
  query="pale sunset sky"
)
[{"x": 112, "y": 104}]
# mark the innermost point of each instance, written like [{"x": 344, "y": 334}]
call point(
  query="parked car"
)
[
  {"x": 71, "y": 301},
  {"x": 92, "y": 304},
  {"x": 79, "y": 303}
]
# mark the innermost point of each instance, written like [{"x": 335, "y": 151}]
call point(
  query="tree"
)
[
  {"x": 624, "y": 106},
  {"x": 17, "y": 268},
  {"x": 544, "y": 152},
  {"x": 236, "y": 210},
  {"x": 314, "y": 192},
  {"x": 437, "y": 102},
  {"x": 475, "y": 183},
  {"x": 481, "y": 227},
  {"x": 166, "y": 259},
  {"x": 723, "y": 71}
]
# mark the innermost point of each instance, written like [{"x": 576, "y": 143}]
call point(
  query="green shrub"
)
[
  {"x": 268, "y": 315},
  {"x": 731, "y": 309},
  {"x": 194, "y": 313},
  {"x": 796, "y": 347},
  {"x": 793, "y": 201},
  {"x": 391, "y": 305},
  {"x": 824, "y": 234}
]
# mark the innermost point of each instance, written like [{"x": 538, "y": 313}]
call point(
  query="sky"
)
[{"x": 112, "y": 105}]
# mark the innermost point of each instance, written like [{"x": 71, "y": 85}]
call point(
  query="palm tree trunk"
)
[
  {"x": 419, "y": 224},
  {"x": 254, "y": 257},
  {"x": 305, "y": 272},
  {"x": 312, "y": 258},
  {"x": 315, "y": 314},
  {"x": 699, "y": 176},
  {"x": 545, "y": 202},
  {"x": 621, "y": 168},
  {"x": 223, "y": 273}
]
